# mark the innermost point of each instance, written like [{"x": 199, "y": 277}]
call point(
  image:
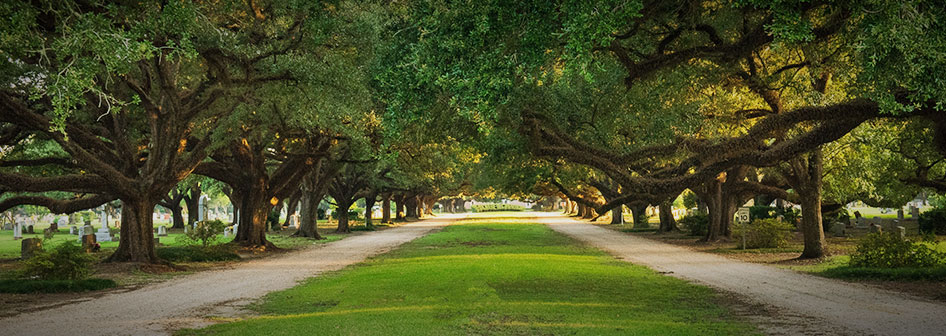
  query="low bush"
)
[
  {"x": 196, "y": 254},
  {"x": 886, "y": 250},
  {"x": 355, "y": 213},
  {"x": 19, "y": 286},
  {"x": 789, "y": 215},
  {"x": 696, "y": 223},
  {"x": 933, "y": 221},
  {"x": 937, "y": 273},
  {"x": 497, "y": 207},
  {"x": 204, "y": 233},
  {"x": 67, "y": 261},
  {"x": 764, "y": 233}
]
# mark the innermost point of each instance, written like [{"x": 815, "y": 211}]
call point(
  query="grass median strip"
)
[{"x": 498, "y": 276}]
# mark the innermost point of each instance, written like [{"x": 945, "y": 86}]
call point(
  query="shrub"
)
[
  {"x": 887, "y": 250},
  {"x": 696, "y": 223},
  {"x": 67, "y": 261},
  {"x": 204, "y": 233},
  {"x": 195, "y": 254},
  {"x": 764, "y": 233},
  {"x": 355, "y": 213},
  {"x": 18, "y": 286},
  {"x": 762, "y": 212},
  {"x": 933, "y": 221},
  {"x": 497, "y": 207}
]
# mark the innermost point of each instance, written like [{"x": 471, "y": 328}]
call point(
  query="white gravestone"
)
[
  {"x": 103, "y": 235},
  {"x": 202, "y": 208},
  {"x": 73, "y": 230},
  {"x": 226, "y": 232},
  {"x": 17, "y": 231},
  {"x": 294, "y": 221},
  {"x": 63, "y": 221},
  {"x": 162, "y": 231}
]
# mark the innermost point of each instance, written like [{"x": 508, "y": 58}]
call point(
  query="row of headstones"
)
[
  {"x": 840, "y": 230},
  {"x": 861, "y": 221}
]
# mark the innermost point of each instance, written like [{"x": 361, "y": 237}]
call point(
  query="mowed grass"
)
[{"x": 487, "y": 277}]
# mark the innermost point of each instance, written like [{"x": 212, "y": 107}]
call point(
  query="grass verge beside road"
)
[{"x": 490, "y": 276}]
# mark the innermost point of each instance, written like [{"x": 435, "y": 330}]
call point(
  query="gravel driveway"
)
[
  {"x": 801, "y": 303},
  {"x": 187, "y": 301}
]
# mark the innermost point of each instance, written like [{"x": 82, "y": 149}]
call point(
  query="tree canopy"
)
[{"x": 604, "y": 103}]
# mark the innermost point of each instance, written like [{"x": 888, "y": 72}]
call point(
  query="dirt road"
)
[
  {"x": 802, "y": 304},
  {"x": 188, "y": 301}
]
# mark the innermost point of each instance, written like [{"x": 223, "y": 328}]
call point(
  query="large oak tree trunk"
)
[
  {"x": 639, "y": 214},
  {"x": 399, "y": 207},
  {"x": 136, "y": 243},
  {"x": 667, "y": 223},
  {"x": 589, "y": 213},
  {"x": 429, "y": 205},
  {"x": 617, "y": 215},
  {"x": 254, "y": 211},
  {"x": 809, "y": 188},
  {"x": 369, "y": 203},
  {"x": 722, "y": 207},
  {"x": 177, "y": 217},
  {"x": 386, "y": 208},
  {"x": 342, "y": 216},
  {"x": 308, "y": 223},
  {"x": 192, "y": 200},
  {"x": 410, "y": 204}
]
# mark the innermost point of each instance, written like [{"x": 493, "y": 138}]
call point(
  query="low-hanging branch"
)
[{"x": 705, "y": 159}]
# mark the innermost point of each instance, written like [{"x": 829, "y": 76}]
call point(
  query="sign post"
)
[{"x": 742, "y": 216}]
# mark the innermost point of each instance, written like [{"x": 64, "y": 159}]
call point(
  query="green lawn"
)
[
  {"x": 10, "y": 248},
  {"x": 490, "y": 276}
]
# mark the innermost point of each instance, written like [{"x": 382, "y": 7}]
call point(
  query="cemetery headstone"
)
[
  {"x": 874, "y": 228},
  {"x": 838, "y": 229},
  {"x": 226, "y": 232},
  {"x": 63, "y": 222},
  {"x": 17, "y": 231},
  {"x": 902, "y": 231},
  {"x": 162, "y": 231},
  {"x": 236, "y": 228},
  {"x": 48, "y": 233},
  {"x": 86, "y": 230},
  {"x": 88, "y": 242},
  {"x": 202, "y": 208},
  {"x": 914, "y": 212},
  {"x": 860, "y": 222},
  {"x": 899, "y": 214},
  {"x": 73, "y": 230},
  {"x": 29, "y": 247},
  {"x": 29, "y": 229},
  {"x": 8, "y": 226},
  {"x": 294, "y": 221}
]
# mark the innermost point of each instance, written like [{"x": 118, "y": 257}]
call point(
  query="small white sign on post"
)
[{"x": 742, "y": 216}]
